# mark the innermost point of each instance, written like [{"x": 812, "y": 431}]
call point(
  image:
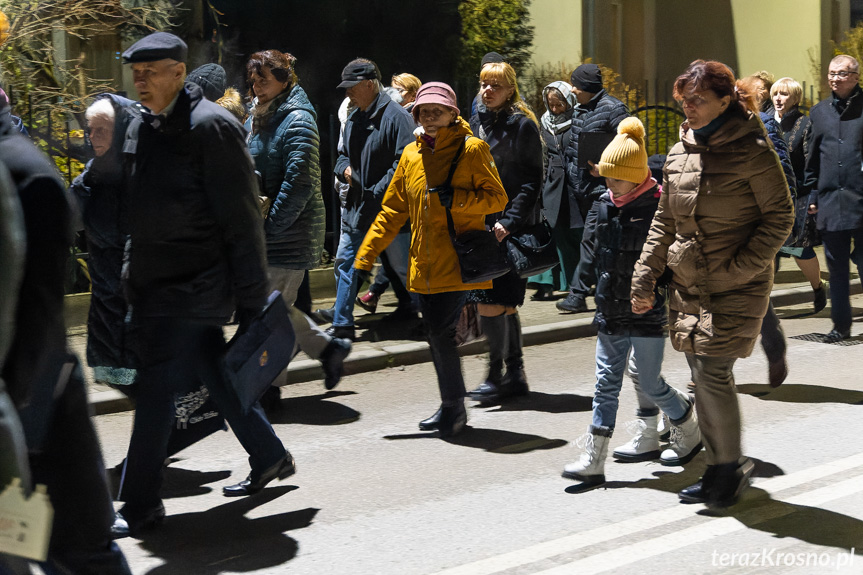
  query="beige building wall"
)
[
  {"x": 557, "y": 31},
  {"x": 657, "y": 39}
]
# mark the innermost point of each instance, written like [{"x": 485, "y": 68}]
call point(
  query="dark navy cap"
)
[
  {"x": 358, "y": 70},
  {"x": 156, "y": 46}
]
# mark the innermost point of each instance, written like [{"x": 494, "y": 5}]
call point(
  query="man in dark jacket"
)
[
  {"x": 376, "y": 133},
  {"x": 597, "y": 111},
  {"x": 197, "y": 254},
  {"x": 45, "y": 381},
  {"x": 835, "y": 181}
]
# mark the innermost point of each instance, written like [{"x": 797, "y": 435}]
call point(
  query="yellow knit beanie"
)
[{"x": 625, "y": 157}]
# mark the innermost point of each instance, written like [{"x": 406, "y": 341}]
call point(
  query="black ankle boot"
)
[
  {"x": 495, "y": 331},
  {"x": 514, "y": 381},
  {"x": 699, "y": 492},
  {"x": 452, "y": 419},
  {"x": 431, "y": 423},
  {"x": 732, "y": 479}
]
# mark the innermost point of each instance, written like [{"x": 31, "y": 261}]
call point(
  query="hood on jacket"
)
[
  {"x": 282, "y": 105},
  {"x": 456, "y": 131},
  {"x": 557, "y": 123}
]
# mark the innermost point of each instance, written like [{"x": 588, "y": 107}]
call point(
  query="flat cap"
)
[
  {"x": 358, "y": 70},
  {"x": 156, "y": 46}
]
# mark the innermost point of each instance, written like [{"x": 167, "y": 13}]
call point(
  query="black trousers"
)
[
  {"x": 177, "y": 355},
  {"x": 70, "y": 465},
  {"x": 441, "y": 312}
]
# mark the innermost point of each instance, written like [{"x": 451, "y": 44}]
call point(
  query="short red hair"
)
[{"x": 712, "y": 75}]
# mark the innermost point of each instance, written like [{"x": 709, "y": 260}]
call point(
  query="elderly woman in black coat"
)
[
  {"x": 98, "y": 190},
  {"x": 510, "y": 128}
]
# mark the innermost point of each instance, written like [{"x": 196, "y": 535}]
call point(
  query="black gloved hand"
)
[
  {"x": 444, "y": 194},
  {"x": 245, "y": 317}
]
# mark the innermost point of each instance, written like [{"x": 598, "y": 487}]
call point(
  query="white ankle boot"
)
[
  {"x": 685, "y": 441},
  {"x": 590, "y": 467},
  {"x": 644, "y": 444}
]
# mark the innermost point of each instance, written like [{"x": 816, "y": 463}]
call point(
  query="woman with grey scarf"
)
[{"x": 560, "y": 104}]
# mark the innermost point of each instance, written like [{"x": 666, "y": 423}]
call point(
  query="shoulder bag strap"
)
[{"x": 453, "y": 166}]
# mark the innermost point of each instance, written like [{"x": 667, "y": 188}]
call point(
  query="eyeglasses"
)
[
  {"x": 429, "y": 112},
  {"x": 841, "y": 74}
]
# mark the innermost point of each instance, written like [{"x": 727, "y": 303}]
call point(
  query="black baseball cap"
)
[{"x": 358, "y": 70}]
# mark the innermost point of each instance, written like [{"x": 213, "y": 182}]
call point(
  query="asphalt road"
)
[{"x": 373, "y": 495}]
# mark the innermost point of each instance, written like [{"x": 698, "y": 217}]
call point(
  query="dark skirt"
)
[{"x": 507, "y": 290}]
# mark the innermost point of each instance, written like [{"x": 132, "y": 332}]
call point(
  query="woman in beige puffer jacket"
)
[{"x": 724, "y": 214}]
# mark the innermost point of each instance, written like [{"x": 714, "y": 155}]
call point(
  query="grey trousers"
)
[
  {"x": 718, "y": 410},
  {"x": 310, "y": 338}
]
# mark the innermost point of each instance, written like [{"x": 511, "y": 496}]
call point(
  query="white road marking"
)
[{"x": 656, "y": 519}]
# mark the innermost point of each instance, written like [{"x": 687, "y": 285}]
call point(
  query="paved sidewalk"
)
[{"x": 384, "y": 344}]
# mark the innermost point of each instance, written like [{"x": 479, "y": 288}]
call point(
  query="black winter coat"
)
[
  {"x": 374, "y": 142},
  {"x": 795, "y": 129},
  {"x": 197, "y": 241},
  {"x": 517, "y": 151},
  {"x": 602, "y": 114},
  {"x": 38, "y": 350},
  {"x": 286, "y": 154},
  {"x": 833, "y": 166},
  {"x": 618, "y": 238},
  {"x": 99, "y": 190},
  {"x": 555, "y": 197}
]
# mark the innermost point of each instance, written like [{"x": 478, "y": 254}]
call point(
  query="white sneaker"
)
[{"x": 644, "y": 444}]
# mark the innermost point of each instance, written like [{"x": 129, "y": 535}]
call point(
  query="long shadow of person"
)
[
  {"x": 491, "y": 440},
  {"x": 814, "y": 525},
  {"x": 673, "y": 481},
  {"x": 548, "y": 403},
  {"x": 224, "y": 539},
  {"x": 802, "y": 393},
  {"x": 315, "y": 410}
]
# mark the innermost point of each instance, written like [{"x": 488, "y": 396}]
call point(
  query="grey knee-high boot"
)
[
  {"x": 514, "y": 380},
  {"x": 495, "y": 331}
]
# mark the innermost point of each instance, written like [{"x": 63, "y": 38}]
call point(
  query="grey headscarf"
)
[{"x": 557, "y": 123}]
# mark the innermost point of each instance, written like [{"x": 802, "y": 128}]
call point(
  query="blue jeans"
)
[
  {"x": 611, "y": 358},
  {"x": 347, "y": 278},
  {"x": 837, "y": 249},
  {"x": 441, "y": 312}
]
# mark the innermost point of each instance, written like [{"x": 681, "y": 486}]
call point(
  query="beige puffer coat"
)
[{"x": 724, "y": 213}]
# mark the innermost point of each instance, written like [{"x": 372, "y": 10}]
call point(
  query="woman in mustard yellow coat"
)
[{"x": 434, "y": 273}]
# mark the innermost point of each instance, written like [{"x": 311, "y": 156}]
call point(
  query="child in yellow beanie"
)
[{"x": 623, "y": 216}]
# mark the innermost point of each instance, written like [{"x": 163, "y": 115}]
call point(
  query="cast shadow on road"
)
[
  {"x": 670, "y": 479},
  {"x": 547, "y": 403},
  {"x": 491, "y": 440},
  {"x": 177, "y": 482},
  {"x": 223, "y": 539},
  {"x": 314, "y": 410},
  {"x": 757, "y": 510},
  {"x": 802, "y": 393}
]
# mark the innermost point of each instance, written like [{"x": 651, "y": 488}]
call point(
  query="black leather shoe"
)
[
  {"x": 543, "y": 293},
  {"x": 819, "y": 301},
  {"x": 323, "y": 315},
  {"x": 699, "y": 493},
  {"x": 835, "y": 336},
  {"x": 486, "y": 392},
  {"x": 333, "y": 361},
  {"x": 432, "y": 422},
  {"x": 129, "y": 523},
  {"x": 452, "y": 420},
  {"x": 342, "y": 332},
  {"x": 572, "y": 304},
  {"x": 281, "y": 470}
]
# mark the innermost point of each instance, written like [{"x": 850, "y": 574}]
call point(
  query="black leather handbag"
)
[
  {"x": 480, "y": 255},
  {"x": 532, "y": 251}
]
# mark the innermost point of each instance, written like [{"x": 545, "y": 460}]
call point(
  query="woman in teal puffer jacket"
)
[{"x": 283, "y": 140}]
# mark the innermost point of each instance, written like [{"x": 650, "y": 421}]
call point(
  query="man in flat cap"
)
[
  {"x": 197, "y": 255},
  {"x": 376, "y": 133},
  {"x": 597, "y": 111}
]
